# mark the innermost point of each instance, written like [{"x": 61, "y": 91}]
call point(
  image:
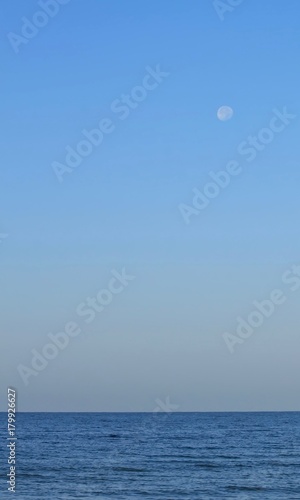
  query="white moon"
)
[{"x": 225, "y": 113}]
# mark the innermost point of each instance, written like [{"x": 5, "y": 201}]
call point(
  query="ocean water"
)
[{"x": 62, "y": 456}]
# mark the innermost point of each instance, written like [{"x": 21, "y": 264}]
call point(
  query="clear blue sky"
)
[{"x": 119, "y": 208}]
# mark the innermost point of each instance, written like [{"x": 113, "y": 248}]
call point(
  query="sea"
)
[{"x": 154, "y": 456}]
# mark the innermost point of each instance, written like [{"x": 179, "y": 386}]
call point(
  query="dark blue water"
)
[{"x": 155, "y": 456}]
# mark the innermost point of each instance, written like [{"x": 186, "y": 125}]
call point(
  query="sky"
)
[{"x": 126, "y": 219}]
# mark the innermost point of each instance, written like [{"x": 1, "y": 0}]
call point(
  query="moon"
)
[{"x": 225, "y": 113}]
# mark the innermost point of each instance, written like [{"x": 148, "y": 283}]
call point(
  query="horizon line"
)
[{"x": 163, "y": 412}]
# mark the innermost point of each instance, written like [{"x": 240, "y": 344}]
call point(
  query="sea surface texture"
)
[{"x": 159, "y": 456}]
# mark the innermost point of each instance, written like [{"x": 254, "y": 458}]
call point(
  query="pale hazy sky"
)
[{"x": 162, "y": 332}]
